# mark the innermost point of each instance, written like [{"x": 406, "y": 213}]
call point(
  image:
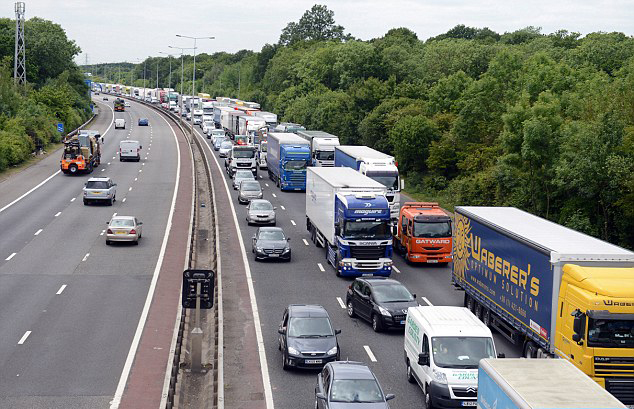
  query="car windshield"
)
[
  {"x": 250, "y": 187},
  {"x": 432, "y": 229},
  {"x": 226, "y": 145},
  {"x": 461, "y": 352},
  {"x": 208, "y": 123},
  {"x": 391, "y": 293},
  {"x": 261, "y": 206},
  {"x": 277, "y": 235},
  {"x": 389, "y": 180},
  {"x": 305, "y": 327},
  {"x": 244, "y": 153},
  {"x": 218, "y": 132},
  {"x": 244, "y": 174},
  {"x": 355, "y": 391},
  {"x": 295, "y": 165},
  {"x": 325, "y": 155},
  {"x": 97, "y": 184},
  {"x": 610, "y": 333},
  {"x": 122, "y": 223},
  {"x": 366, "y": 229}
]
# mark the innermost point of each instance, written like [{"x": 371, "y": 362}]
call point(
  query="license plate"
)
[
  {"x": 436, "y": 261},
  {"x": 96, "y": 193},
  {"x": 470, "y": 403},
  {"x": 402, "y": 322},
  {"x": 313, "y": 361},
  {"x": 121, "y": 232},
  {"x": 274, "y": 255}
]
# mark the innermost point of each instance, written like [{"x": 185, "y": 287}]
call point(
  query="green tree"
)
[
  {"x": 318, "y": 24},
  {"x": 411, "y": 138}
]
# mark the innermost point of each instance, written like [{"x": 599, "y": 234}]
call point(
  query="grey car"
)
[
  {"x": 217, "y": 140},
  {"x": 271, "y": 243},
  {"x": 225, "y": 148},
  {"x": 349, "y": 385},
  {"x": 124, "y": 228},
  {"x": 100, "y": 190},
  {"x": 260, "y": 211},
  {"x": 241, "y": 175},
  {"x": 249, "y": 190}
]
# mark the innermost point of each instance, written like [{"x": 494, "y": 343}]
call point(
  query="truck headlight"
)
[
  {"x": 385, "y": 312},
  {"x": 292, "y": 351},
  {"x": 332, "y": 351},
  {"x": 440, "y": 377}
]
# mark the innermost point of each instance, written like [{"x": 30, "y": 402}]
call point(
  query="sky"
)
[{"x": 130, "y": 30}]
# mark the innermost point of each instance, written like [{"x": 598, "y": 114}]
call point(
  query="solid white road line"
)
[
  {"x": 283, "y": 208},
  {"x": 10, "y": 257},
  {"x": 369, "y": 352},
  {"x": 305, "y": 242},
  {"x": 427, "y": 301},
  {"x": 61, "y": 289},
  {"x": 395, "y": 269},
  {"x": 102, "y": 232},
  {"x": 340, "y": 301},
  {"x": 30, "y": 191},
  {"x": 38, "y": 232},
  {"x": 24, "y": 337},
  {"x": 73, "y": 199},
  {"x": 273, "y": 194},
  {"x": 293, "y": 222},
  {"x": 320, "y": 267},
  {"x": 123, "y": 201},
  {"x": 57, "y": 214},
  {"x": 86, "y": 257},
  {"x": 125, "y": 373}
]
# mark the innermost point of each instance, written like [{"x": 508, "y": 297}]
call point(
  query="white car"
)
[
  {"x": 100, "y": 190},
  {"x": 124, "y": 228},
  {"x": 126, "y": 104},
  {"x": 208, "y": 126}
]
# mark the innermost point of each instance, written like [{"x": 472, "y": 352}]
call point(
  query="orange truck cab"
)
[{"x": 423, "y": 233}]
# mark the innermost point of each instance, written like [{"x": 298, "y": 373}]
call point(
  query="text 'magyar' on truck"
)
[
  {"x": 443, "y": 346},
  {"x": 538, "y": 384},
  {"x": 553, "y": 290},
  {"x": 242, "y": 157},
  {"x": 423, "y": 233},
  {"x": 81, "y": 153},
  {"x": 322, "y": 147},
  {"x": 376, "y": 165},
  {"x": 348, "y": 214},
  {"x": 287, "y": 158}
]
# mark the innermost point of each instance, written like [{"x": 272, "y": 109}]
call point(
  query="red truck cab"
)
[{"x": 423, "y": 233}]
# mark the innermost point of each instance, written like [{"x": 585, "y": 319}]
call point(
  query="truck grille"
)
[
  {"x": 390, "y": 198},
  {"x": 622, "y": 389},
  {"x": 367, "y": 252},
  {"x": 367, "y": 265},
  {"x": 297, "y": 178},
  {"x": 468, "y": 392},
  {"x": 613, "y": 366}
]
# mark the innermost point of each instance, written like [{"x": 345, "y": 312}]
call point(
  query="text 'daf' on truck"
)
[
  {"x": 553, "y": 290},
  {"x": 375, "y": 165},
  {"x": 287, "y": 158},
  {"x": 322, "y": 147},
  {"x": 348, "y": 214},
  {"x": 423, "y": 233}
]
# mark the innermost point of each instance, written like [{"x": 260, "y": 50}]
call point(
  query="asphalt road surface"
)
[{"x": 69, "y": 304}]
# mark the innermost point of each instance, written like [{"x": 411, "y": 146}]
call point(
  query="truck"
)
[
  {"x": 249, "y": 125},
  {"x": 242, "y": 157},
  {"x": 218, "y": 109},
  {"x": 552, "y": 290},
  {"x": 348, "y": 214},
  {"x": 82, "y": 153},
  {"x": 376, "y": 165},
  {"x": 322, "y": 147},
  {"x": 287, "y": 158},
  {"x": 234, "y": 123},
  {"x": 269, "y": 117},
  {"x": 288, "y": 127},
  {"x": 423, "y": 233},
  {"x": 538, "y": 384},
  {"x": 208, "y": 110},
  {"x": 119, "y": 105}
]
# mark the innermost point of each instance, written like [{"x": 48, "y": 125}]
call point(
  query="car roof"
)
[
  {"x": 123, "y": 217},
  {"x": 271, "y": 228},
  {"x": 305, "y": 310},
  {"x": 351, "y": 370},
  {"x": 260, "y": 201},
  {"x": 249, "y": 181},
  {"x": 99, "y": 179},
  {"x": 376, "y": 281}
]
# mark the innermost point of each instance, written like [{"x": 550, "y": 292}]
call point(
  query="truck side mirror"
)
[
  {"x": 578, "y": 326},
  {"x": 501, "y": 355},
  {"x": 423, "y": 359},
  {"x": 337, "y": 230},
  {"x": 402, "y": 184}
]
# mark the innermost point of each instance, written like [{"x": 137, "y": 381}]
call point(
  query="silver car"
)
[
  {"x": 260, "y": 211},
  {"x": 124, "y": 228},
  {"x": 217, "y": 141},
  {"x": 241, "y": 175},
  {"x": 225, "y": 148},
  {"x": 100, "y": 190},
  {"x": 249, "y": 190}
]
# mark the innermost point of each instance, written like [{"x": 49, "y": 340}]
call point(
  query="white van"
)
[
  {"x": 119, "y": 123},
  {"x": 129, "y": 150},
  {"x": 443, "y": 346}
]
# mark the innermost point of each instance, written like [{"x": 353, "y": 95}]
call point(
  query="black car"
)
[
  {"x": 349, "y": 385},
  {"x": 271, "y": 243},
  {"x": 306, "y": 337},
  {"x": 381, "y": 301}
]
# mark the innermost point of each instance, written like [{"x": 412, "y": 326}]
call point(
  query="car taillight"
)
[
  {"x": 109, "y": 231},
  {"x": 132, "y": 231}
]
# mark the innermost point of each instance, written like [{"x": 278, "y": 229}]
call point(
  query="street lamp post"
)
[
  {"x": 182, "y": 77},
  {"x": 194, "y": 71},
  {"x": 169, "y": 85},
  {"x": 144, "y": 63}
]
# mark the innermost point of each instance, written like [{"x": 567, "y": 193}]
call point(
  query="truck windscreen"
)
[
  {"x": 325, "y": 155},
  {"x": 432, "y": 229},
  {"x": 610, "y": 333},
  {"x": 461, "y": 352},
  {"x": 366, "y": 230},
  {"x": 389, "y": 180},
  {"x": 295, "y": 165},
  {"x": 244, "y": 154}
]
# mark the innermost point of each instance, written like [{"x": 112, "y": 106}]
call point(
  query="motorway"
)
[
  {"x": 308, "y": 279},
  {"x": 69, "y": 304}
]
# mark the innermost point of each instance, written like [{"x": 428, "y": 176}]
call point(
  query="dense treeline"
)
[
  {"x": 55, "y": 90},
  {"x": 544, "y": 122}
]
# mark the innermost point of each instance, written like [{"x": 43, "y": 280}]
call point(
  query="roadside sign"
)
[
  {"x": 191, "y": 278},
  {"x": 60, "y": 127}
]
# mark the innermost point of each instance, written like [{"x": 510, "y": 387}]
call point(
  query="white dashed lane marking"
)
[
  {"x": 340, "y": 301},
  {"x": 427, "y": 301},
  {"x": 305, "y": 242},
  {"x": 24, "y": 337},
  {"x": 61, "y": 289},
  {"x": 321, "y": 268},
  {"x": 38, "y": 232},
  {"x": 10, "y": 257},
  {"x": 57, "y": 214},
  {"x": 369, "y": 352},
  {"x": 86, "y": 257}
]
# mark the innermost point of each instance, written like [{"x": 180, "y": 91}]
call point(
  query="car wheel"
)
[
  {"x": 284, "y": 366},
  {"x": 428, "y": 403},
  {"x": 110, "y": 201},
  {"x": 377, "y": 326},
  {"x": 108, "y": 242},
  {"x": 136, "y": 242},
  {"x": 350, "y": 309},
  {"x": 410, "y": 374},
  {"x": 85, "y": 202}
]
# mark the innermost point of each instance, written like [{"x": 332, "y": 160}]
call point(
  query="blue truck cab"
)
[{"x": 287, "y": 158}]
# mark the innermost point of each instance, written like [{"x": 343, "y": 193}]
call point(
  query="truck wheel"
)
[
  {"x": 486, "y": 316},
  {"x": 410, "y": 373},
  {"x": 73, "y": 169},
  {"x": 530, "y": 350}
]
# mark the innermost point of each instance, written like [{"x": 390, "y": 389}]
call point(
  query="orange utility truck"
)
[{"x": 423, "y": 233}]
